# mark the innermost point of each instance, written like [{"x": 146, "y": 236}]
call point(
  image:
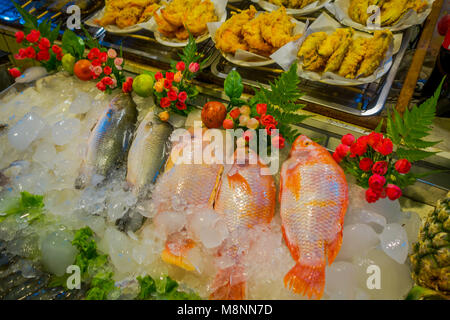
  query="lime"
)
[
  {"x": 143, "y": 85},
  {"x": 68, "y": 61}
]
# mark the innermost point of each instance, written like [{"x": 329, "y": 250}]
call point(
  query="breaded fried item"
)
[
  {"x": 228, "y": 37},
  {"x": 334, "y": 62},
  {"x": 392, "y": 11},
  {"x": 148, "y": 12},
  {"x": 126, "y": 13},
  {"x": 354, "y": 57},
  {"x": 376, "y": 50},
  {"x": 195, "y": 20},
  {"x": 333, "y": 41},
  {"x": 129, "y": 16},
  {"x": 251, "y": 32},
  {"x": 309, "y": 51},
  {"x": 164, "y": 27},
  {"x": 294, "y": 4},
  {"x": 277, "y": 27}
]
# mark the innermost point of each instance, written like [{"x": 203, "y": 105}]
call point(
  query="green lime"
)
[
  {"x": 68, "y": 61},
  {"x": 143, "y": 85}
]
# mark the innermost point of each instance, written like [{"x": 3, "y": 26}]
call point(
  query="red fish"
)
[{"x": 313, "y": 202}]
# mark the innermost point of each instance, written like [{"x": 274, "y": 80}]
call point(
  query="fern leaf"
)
[{"x": 413, "y": 154}]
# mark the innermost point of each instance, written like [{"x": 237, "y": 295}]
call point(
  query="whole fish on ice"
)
[
  {"x": 189, "y": 185},
  {"x": 313, "y": 202},
  {"x": 109, "y": 140},
  {"x": 147, "y": 152},
  {"x": 245, "y": 198}
]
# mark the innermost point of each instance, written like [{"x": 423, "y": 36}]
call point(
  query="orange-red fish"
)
[
  {"x": 190, "y": 185},
  {"x": 245, "y": 198},
  {"x": 313, "y": 202}
]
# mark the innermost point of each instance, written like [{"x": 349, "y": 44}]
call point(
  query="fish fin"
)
[
  {"x": 178, "y": 258},
  {"x": 306, "y": 280},
  {"x": 236, "y": 180},
  {"x": 225, "y": 289},
  {"x": 333, "y": 247}
]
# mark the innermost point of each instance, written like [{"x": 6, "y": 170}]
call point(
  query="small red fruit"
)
[{"x": 82, "y": 69}]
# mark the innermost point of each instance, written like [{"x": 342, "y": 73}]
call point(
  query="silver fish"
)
[
  {"x": 109, "y": 140},
  {"x": 147, "y": 151}
]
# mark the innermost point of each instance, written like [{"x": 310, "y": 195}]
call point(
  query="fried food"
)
[
  {"x": 341, "y": 54},
  {"x": 293, "y": 4},
  {"x": 309, "y": 51},
  {"x": 229, "y": 37},
  {"x": 354, "y": 57},
  {"x": 180, "y": 17},
  {"x": 376, "y": 50},
  {"x": 262, "y": 34},
  {"x": 126, "y": 13},
  {"x": 391, "y": 10},
  {"x": 338, "y": 55}
]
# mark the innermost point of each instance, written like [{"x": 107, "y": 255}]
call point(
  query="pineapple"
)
[{"x": 431, "y": 254}]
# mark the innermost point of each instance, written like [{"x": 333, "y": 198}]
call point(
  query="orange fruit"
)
[{"x": 82, "y": 69}]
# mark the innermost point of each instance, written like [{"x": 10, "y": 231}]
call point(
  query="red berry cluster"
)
[
  {"x": 36, "y": 47},
  {"x": 370, "y": 159}
]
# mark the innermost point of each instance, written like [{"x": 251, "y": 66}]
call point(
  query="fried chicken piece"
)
[
  {"x": 195, "y": 20},
  {"x": 228, "y": 37},
  {"x": 149, "y": 12},
  {"x": 332, "y": 42},
  {"x": 311, "y": 59},
  {"x": 174, "y": 11},
  {"x": 353, "y": 58},
  {"x": 129, "y": 16},
  {"x": 376, "y": 50},
  {"x": 338, "y": 55},
  {"x": 276, "y": 28},
  {"x": 251, "y": 32}
]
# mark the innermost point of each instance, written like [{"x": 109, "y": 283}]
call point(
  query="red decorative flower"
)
[
  {"x": 359, "y": 147},
  {"x": 14, "y": 72},
  {"x": 93, "y": 53},
  {"x": 167, "y": 84},
  {"x": 235, "y": 113},
  {"x": 278, "y": 142},
  {"x": 101, "y": 86},
  {"x": 31, "y": 53},
  {"x": 43, "y": 55},
  {"x": 377, "y": 182},
  {"x": 96, "y": 62},
  {"x": 365, "y": 164},
  {"x": 372, "y": 195},
  {"x": 165, "y": 102},
  {"x": 336, "y": 157},
  {"x": 194, "y": 67},
  {"x": 374, "y": 138},
  {"x": 19, "y": 36},
  {"x": 266, "y": 119},
  {"x": 380, "y": 167},
  {"x": 107, "y": 70},
  {"x": 180, "y": 66},
  {"x": 20, "y": 55},
  {"x": 44, "y": 44},
  {"x": 403, "y": 166},
  {"x": 393, "y": 192},
  {"x": 107, "y": 81},
  {"x": 385, "y": 147},
  {"x": 170, "y": 76},
  {"x": 269, "y": 128},
  {"x": 228, "y": 124},
  {"x": 182, "y": 96},
  {"x": 348, "y": 139},
  {"x": 158, "y": 76},
  {"x": 342, "y": 150},
  {"x": 180, "y": 105},
  {"x": 261, "y": 108},
  {"x": 56, "y": 49},
  {"x": 172, "y": 95},
  {"x": 127, "y": 86},
  {"x": 103, "y": 56},
  {"x": 33, "y": 36}
]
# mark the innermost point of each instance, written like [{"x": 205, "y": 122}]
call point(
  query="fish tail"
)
[
  {"x": 229, "y": 285},
  {"x": 306, "y": 280},
  {"x": 179, "y": 258}
]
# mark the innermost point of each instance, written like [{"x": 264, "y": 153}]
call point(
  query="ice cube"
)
[
  {"x": 58, "y": 252},
  {"x": 357, "y": 239},
  {"x": 341, "y": 280},
  {"x": 25, "y": 131},
  {"x": 82, "y": 103},
  {"x": 394, "y": 242},
  {"x": 45, "y": 154},
  {"x": 207, "y": 226},
  {"x": 169, "y": 222},
  {"x": 373, "y": 219},
  {"x": 411, "y": 222},
  {"x": 63, "y": 131}
]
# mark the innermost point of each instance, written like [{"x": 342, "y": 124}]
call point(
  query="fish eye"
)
[{"x": 307, "y": 143}]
